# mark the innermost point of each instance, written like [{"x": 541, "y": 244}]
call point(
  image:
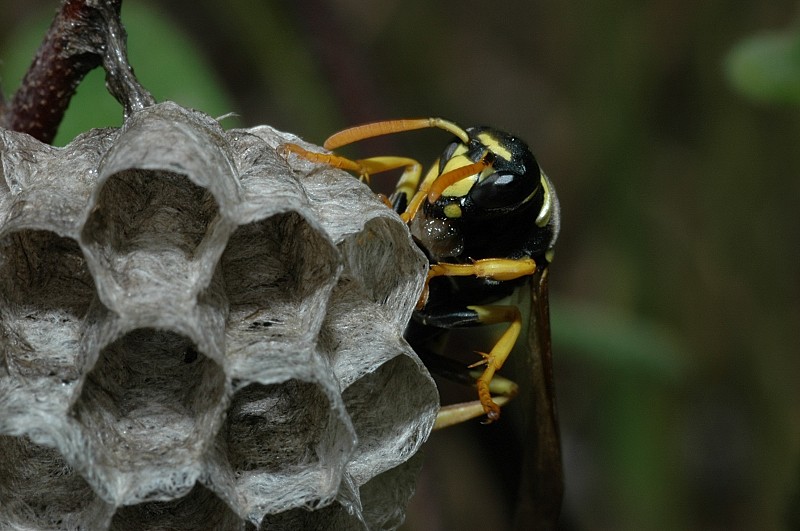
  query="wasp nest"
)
[{"x": 194, "y": 334}]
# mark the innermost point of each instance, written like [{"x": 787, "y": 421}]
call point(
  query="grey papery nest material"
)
[{"x": 197, "y": 335}]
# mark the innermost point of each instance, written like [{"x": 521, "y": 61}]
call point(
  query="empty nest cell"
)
[
  {"x": 387, "y": 433},
  {"x": 145, "y": 230},
  {"x": 151, "y": 400},
  {"x": 275, "y": 428},
  {"x": 39, "y": 490},
  {"x": 45, "y": 293},
  {"x": 285, "y": 446},
  {"x": 334, "y": 516},
  {"x": 274, "y": 271},
  {"x": 200, "y": 509}
]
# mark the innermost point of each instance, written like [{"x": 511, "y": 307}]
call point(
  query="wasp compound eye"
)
[{"x": 502, "y": 191}]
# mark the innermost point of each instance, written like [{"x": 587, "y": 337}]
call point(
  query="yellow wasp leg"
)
[
  {"x": 495, "y": 359},
  {"x": 494, "y": 268},
  {"x": 413, "y": 205},
  {"x": 502, "y": 389},
  {"x": 363, "y": 167},
  {"x": 374, "y": 165},
  {"x": 416, "y": 199},
  {"x": 322, "y": 158}
]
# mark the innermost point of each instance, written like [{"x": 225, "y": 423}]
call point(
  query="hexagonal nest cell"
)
[
  {"x": 198, "y": 333},
  {"x": 149, "y": 402},
  {"x": 199, "y": 509},
  {"x": 261, "y": 417},
  {"x": 39, "y": 490},
  {"x": 143, "y": 208},
  {"x": 277, "y": 274},
  {"x": 45, "y": 290},
  {"x": 146, "y": 226}
]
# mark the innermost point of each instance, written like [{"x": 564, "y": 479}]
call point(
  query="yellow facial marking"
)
[
  {"x": 494, "y": 146},
  {"x": 462, "y": 187},
  {"x": 452, "y": 210},
  {"x": 459, "y": 150}
]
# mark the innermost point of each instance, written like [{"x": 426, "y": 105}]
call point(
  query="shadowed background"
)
[{"x": 670, "y": 130}]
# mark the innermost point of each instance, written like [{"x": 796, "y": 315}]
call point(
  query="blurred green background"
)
[{"x": 671, "y": 131}]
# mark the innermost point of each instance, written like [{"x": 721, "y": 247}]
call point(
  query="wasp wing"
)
[{"x": 541, "y": 484}]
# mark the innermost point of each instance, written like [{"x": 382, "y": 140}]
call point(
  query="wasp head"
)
[{"x": 505, "y": 207}]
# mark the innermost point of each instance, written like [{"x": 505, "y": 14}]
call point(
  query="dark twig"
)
[{"x": 85, "y": 34}]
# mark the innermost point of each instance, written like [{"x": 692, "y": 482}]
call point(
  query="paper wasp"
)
[{"x": 487, "y": 218}]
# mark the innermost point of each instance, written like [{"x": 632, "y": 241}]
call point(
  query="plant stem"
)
[{"x": 84, "y": 34}]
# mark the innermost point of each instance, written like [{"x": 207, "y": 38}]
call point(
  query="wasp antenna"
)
[
  {"x": 445, "y": 180},
  {"x": 388, "y": 127},
  {"x": 451, "y": 127}
]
